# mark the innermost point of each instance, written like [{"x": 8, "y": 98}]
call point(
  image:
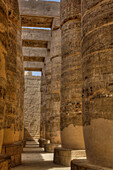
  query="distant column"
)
[
  {"x": 48, "y": 93},
  {"x": 43, "y": 105},
  {"x": 55, "y": 138}
]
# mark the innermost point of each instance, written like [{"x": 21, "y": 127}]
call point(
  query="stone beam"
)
[
  {"x": 34, "y": 54},
  {"x": 35, "y": 21},
  {"x": 38, "y": 13},
  {"x": 39, "y": 8},
  {"x": 33, "y": 66},
  {"x": 35, "y": 37},
  {"x": 35, "y": 59}
]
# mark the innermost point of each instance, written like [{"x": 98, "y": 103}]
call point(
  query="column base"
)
[
  {"x": 64, "y": 156},
  {"x": 5, "y": 162},
  {"x": 85, "y": 165},
  {"x": 14, "y": 151},
  {"x": 50, "y": 147},
  {"x": 43, "y": 142}
]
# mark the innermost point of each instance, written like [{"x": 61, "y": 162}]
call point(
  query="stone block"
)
[
  {"x": 15, "y": 151},
  {"x": 5, "y": 162},
  {"x": 63, "y": 156},
  {"x": 50, "y": 147},
  {"x": 43, "y": 142},
  {"x": 83, "y": 164}
]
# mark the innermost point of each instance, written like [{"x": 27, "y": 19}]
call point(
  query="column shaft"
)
[{"x": 97, "y": 54}]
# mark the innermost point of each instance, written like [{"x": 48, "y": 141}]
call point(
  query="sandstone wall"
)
[{"x": 32, "y": 103}]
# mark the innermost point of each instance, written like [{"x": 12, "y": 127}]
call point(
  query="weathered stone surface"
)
[
  {"x": 84, "y": 165},
  {"x": 34, "y": 54},
  {"x": 35, "y": 37},
  {"x": 43, "y": 142},
  {"x": 20, "y": 86},
  {"x": 71, "y": 76},
  {"x": 39, "y": 8},
  {"x": 32, "y": 104},
  {"x": 48, "y": 94},
  {"x": 14, "y": 151},
  {"x": 33, "y": 66},
  {"x": 63, "y": 156},
  {"x": 97, "y": 54},
  {"x": 3, "y": 55},
  {"x": 51, "y": 147},
  {"x": 55, "y": 81},
  {"x": 36, "y": 34},
  {"x": 13, "y": 66},
  {"x": 38, "y": 13},
  {"x": 43, "y": 105},
  {"x": 5, "y": 162},
  {"x": 36, "y": 21}
]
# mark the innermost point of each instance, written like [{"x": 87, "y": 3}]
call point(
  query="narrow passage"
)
[{"x": 34, "y": 158}]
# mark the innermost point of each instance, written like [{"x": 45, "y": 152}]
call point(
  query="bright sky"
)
[
  {"x": 35, "y": 73},
  {"x": 52, "y": 0}
]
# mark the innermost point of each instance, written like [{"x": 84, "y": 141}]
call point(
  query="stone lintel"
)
[
  {"x": 63, "y": 156},
  {"x": 39, "y": 8},
  {"x": 33, "y": 66},
  {"x": 34, "y": 52},
  {"x": 35, "y": 37},
  {"x": 35, "y": 21},
  {"x": 34, "y": 43},
  {"x": 85, "y": 165},
  {"x": 36, "y": 34},
  {"x": 50, "y": 147},
  {"x": 33, "y": 58}
]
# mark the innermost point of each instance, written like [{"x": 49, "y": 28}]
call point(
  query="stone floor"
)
[{"x": 34, "y": 158}]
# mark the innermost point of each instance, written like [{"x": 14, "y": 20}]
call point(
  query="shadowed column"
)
[{"x": 3, "y": 56}]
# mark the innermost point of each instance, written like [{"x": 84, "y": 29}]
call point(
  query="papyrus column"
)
[
  {"x": 11, "y": 115},
  {"x": 97, "y": 54},
  {"x": 43, "y": 105},
  {"x": 55, "y": 81},
  {"x": 71, "y": 75},
  {"x": 48, "y": 93}
]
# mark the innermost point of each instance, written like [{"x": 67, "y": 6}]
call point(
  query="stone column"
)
[
  {"x": 71, "y": 84},
  {"x": 3, "y": 56},
  {"x": 46, "y": 99},
  {"x": 43, "y": 105},
  {"x": 4, "y": 160},
  {"x": 12, "y": 129},
  {"x": 43, "y": 123},
  {"x": 48, "y": 93},
  {"x": 55, "y": 138},
  {"x": 97, "y": 54}
]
